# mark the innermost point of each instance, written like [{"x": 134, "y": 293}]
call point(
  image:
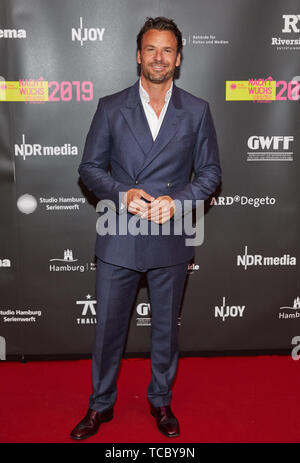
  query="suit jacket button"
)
[
  {"x": 137, "y": 182},
  {"x": 169, "y": 184}
]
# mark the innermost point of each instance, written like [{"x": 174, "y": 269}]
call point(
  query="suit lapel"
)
[
  {"x": 168, "y": 128},
  {"x": 135, "y": 117}
]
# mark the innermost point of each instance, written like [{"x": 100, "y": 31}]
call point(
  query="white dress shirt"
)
[{"x": 154, "y": 121}]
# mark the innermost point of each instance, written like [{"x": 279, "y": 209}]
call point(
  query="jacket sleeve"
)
[
  {"x": 93, "y": 168},
  {"x": 206, "y": 165}
]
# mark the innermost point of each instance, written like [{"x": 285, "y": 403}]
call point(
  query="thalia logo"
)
[
  {"x": 82, "y": 34},
  {"x": 247, "y": 260},
  {"x": 88, "y": 307},
  {"x": 26, "y": 149}
]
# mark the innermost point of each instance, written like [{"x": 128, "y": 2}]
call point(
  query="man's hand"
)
[
  {"x": 134, "y": 202},
  {"x": 160, "y": 210}
]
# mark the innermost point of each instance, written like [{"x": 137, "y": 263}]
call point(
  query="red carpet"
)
[{"x": 224, "y": 399}]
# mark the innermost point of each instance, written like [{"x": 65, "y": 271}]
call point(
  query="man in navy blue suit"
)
[{"x": 152, "y": 136}]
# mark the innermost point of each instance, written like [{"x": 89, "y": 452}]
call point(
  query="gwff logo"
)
[
  {"x": 276, "y": 142},
  {"x": 291, "y": 22}
]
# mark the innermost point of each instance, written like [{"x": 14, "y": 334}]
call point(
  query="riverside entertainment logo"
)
[
  {"x": 248, "y": 260},
  {"x": 291, "y": 25},
  {"x": 37, "y": 150},
  {"x": 83, "y": 34},
  {"x": 270, "y": 148}
]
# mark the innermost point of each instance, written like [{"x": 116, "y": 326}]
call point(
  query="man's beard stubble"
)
[{"x": 157, "y": 78}]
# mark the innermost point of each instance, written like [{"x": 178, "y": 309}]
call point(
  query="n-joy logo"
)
[
  {"x": 82, "y": 34},
  {"x": 225, "y": 311}
]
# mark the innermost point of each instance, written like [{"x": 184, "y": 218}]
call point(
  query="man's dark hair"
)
[{"x": 160, "y": 24}]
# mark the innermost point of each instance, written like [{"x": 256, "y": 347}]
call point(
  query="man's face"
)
[{"x": 158, "y": 55}]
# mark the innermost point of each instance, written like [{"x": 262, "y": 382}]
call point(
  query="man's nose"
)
[{"x": 158, "y": 55}]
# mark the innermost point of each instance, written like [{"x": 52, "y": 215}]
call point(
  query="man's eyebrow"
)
[{"x": 169, "y": 47}]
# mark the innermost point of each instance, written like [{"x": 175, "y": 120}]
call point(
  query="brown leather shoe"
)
[
  {"x": 165, "y": 420},
  {"x": 90, "y": 423}
]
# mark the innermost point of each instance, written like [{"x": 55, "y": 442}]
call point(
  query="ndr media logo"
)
[{"x": 257, "y": 260}]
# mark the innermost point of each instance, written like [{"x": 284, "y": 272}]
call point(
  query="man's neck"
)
[{"x": 157, "y": 92}]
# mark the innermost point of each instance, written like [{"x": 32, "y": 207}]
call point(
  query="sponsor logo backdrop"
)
[{"x": 57, "y": 59}]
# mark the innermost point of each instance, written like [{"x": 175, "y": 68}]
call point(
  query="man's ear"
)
[
  {"x": 138, "y": 57},
  {"x": 178, "y": 59}
]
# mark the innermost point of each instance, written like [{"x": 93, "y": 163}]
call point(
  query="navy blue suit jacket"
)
[{"x": 120, "y": 154}]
